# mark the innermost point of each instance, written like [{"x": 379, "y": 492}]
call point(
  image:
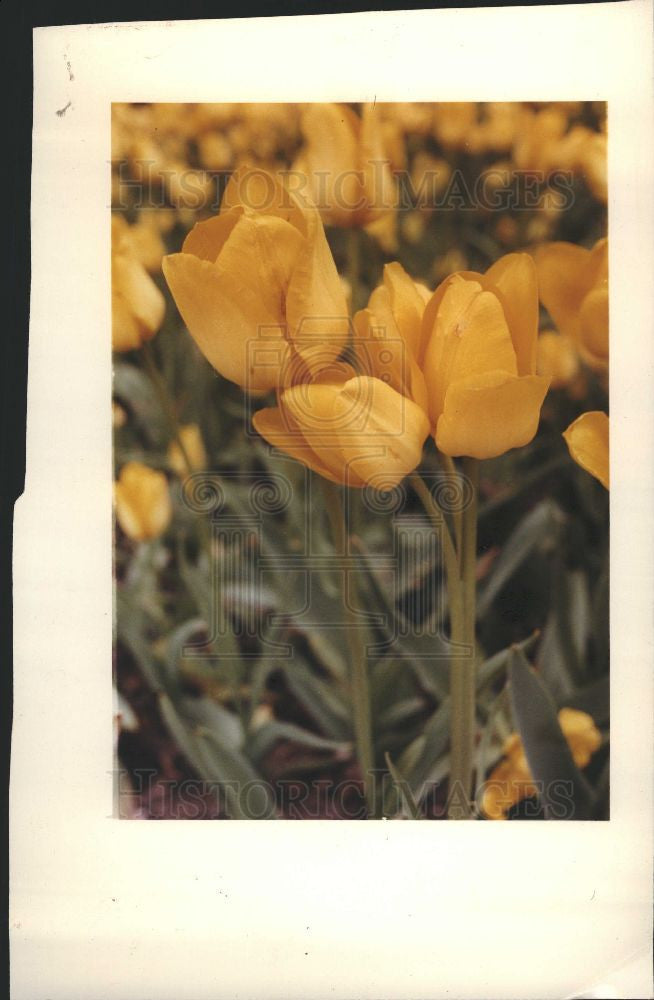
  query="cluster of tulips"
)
[{"x": 359, "y": 392}]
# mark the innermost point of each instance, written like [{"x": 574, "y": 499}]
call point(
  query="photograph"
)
[{"x": 360, "y": 460}]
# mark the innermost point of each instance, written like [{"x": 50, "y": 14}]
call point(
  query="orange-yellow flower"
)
[
  {"x": 587, "y": 438},
  {"x": 142, "y": 501},
  {"x": 257, "y": 286},
  {"x": 191, "y": 441},
  {"x": 511, "y": 780},
  {"x": 479, "y": 334},
  {"x": 351, "y": 429},
  {"x": 346, "y": 163},
  {"x": 574, "y": 288}
]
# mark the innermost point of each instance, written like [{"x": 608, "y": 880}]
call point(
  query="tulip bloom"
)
[
  {"x": 587, "y": 439},
  {"x": 257, "y": 286},
  {"x": 345, "y": 161},
  {"x": 352, "y": 429},
  {"x": 511, "y": 780},
  {"x": 142, "y": 501},
  {"x": 574, "y": 288},
  {"x": 137, "y": 305},
  {"x": 479, "y": 334}
]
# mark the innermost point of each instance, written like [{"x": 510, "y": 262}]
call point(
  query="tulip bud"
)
[
  {"x": 142, "y": 501},
  {"x": 191, "y": 440}
]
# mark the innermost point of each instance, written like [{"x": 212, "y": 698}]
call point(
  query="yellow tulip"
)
[
  {"x": 345, "y": 161},
  {"x": 511, "y": 780},
  {"x": 574, "y": 288},
  {"x": 587, "y": 439},
  {"x": 557, "y": 357},
  {"x": 257, "y": 286},
  {"x": 142, "y": 501},
  {"x": 192, "y": 443},
  {"x": 137, "y": 305},
  {"x": 355, "y": 430},
  {"x": 480, "y": 332}
]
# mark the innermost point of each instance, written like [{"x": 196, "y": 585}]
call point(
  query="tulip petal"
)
[
  {"x": 225, "y": 321},
  {"x": 261, "y": 192},
  {"x": 470, "y": 337},
  {"x": 381, "y": 434},
  {"x": 514, "y": 277},
  {"x": 207, "y": 238},
  {"x": 138, "y": 305},
  {"x": 330, "y": 156},
  {"x": 282, "y": 432},
  {"x": 564, "y": 279},
  {"x": 594, "y": 327},
  {"x": 407, "y": 306},
  {"x": 587, "y": 438},
  {"x": 488, "y": 414},
  {"x": 382, "y": 352}
]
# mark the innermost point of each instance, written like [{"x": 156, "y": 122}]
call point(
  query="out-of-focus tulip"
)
[
  {"x": 574, "y": 288},
  {"x": 454, "y": 122},
  {"x": 480, "y": 332},
  {"x": 143, "y": 240},
  {"x": 537, "y": 144},
  {"x": 356, "y": 431},
  {"x": 346, "y": 164},
  {"x": 257, "y": 286},
  {"x": 511, "y": 780},
  {"x": 593, "y": 166},
  {"x": 557, "y": 358},
  {"x": 587, "y": 439},
  {"x": 191, "y": 440},
  {"x": 142, "y": 501},
  {"x": 137, "y": 305}
]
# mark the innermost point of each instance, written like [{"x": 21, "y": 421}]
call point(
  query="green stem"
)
[
  {"x": 447, "y": 465},
  {"x": 359, "y": 682},
  {"x": 462, "y": 669},
  {"x": 450, "y": 556}
]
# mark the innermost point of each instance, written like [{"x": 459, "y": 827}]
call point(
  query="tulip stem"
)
[
  {"x": 360, "y": 687},
  {"x": 462, "y": 668},
  {"x": 161, "y": 391},
  {"x": 449, "y": 551}
]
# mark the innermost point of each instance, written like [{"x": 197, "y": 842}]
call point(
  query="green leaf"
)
[
  {"x": 247, "y": 794},
  {"x": 564, "y": 791},
  {"x": 265, "y": 736},
  {"x": 539, "y": 525},
  {"x": 319, "y": 699}
]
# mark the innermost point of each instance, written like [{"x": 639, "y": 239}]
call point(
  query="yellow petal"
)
[
  {"x": 378, "y": 183},
  {"x": 564, "y": 279},
  {"x": 588, "y": 441},
  {"x": 594, "y": 327},
  {"x": 226, "y": 323},
  {"x": 486, "y": 415},
  {"x": 382, "y": 352},
  {"x": 557, "y": 358},
  {"x": 407, "y": 306},
  {"x": 191, "y": 440},
  {"x": 281, "y": 431},
  {"x": 138, "y": 305},
  {"x": 263, "y": 193},
  {"x": 207, "y": 238},
  {"x": 142, "y": 501},
  {"x": 331, "y": 158},
  {"x": 382, "y": 433},
  {"x": 514, "y": 277},
  {"x": 470, "y": 337},
  {"x": 581, "y": 733}
]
